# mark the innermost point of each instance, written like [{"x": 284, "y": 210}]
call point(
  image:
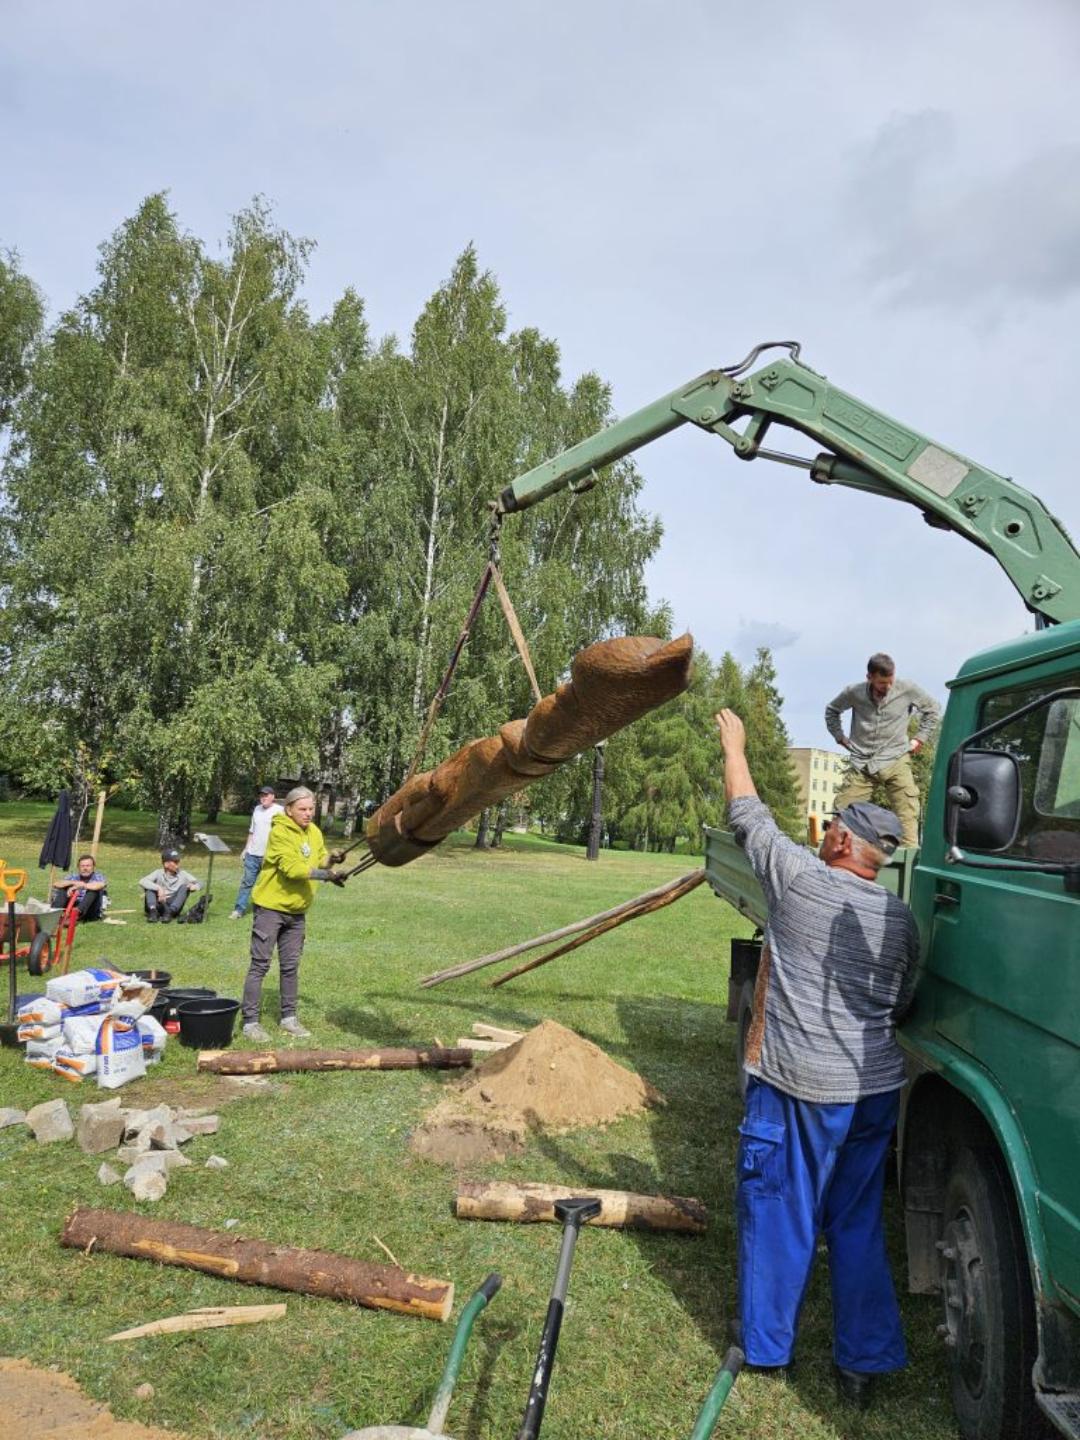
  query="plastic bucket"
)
[
  {"x": 207, "y": 1022},
  {"x": 159, "y": 979}
]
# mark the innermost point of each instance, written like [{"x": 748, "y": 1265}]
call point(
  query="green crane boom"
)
[{"x": 867, "y": 450}]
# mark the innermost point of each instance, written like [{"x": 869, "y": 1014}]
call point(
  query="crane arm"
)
[{"x": 867, "y": 450}]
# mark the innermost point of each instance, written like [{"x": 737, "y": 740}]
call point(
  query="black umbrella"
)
[{"x": 57, "y": 847}]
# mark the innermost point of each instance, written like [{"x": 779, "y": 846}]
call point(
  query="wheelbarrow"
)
[{"x": 38, "y": 937}]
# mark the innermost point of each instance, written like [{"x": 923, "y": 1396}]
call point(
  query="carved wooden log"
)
[
  {"x": 611, "y": 684},
  {"x": 256, "y": 1262},
  {"x": 621, "y": 1209},
  {"x": 267, "y": 1062}
]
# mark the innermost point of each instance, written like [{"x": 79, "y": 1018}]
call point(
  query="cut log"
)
[
  {"x": 257, "y": 1262},
  {"x": 469, "y": 1042},
  {"x": 620, "y": 1209},
  {"x": 495, "y": 1032},
  {"x": 266, "y": 1062},
  {"x": 211, "y": 1317}
]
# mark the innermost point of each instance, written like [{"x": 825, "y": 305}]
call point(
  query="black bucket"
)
[
  {"x": 159, "y": 979},
  {"x": 207, "y": 1023},
  {"x": 183, "y": 992}
]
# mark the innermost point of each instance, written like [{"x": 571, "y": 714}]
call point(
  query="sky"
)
[{"x": 657, "y": 188}]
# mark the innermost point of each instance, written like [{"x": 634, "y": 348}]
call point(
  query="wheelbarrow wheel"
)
[{"x": 40, "y": 956}]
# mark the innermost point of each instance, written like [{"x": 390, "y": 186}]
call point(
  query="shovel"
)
[
  {"x": 433, "y": 1430},
  {"x": 11, "y": 882}
]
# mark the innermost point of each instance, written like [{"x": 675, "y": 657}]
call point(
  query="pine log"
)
[
  {"x": 620, "y": 1209},
  {"x": 210, "y": 1317},
  {"x": 257, "y": 1262},
  {"x": 612, "y": 684},
  {"x": 266, "y": 1062}
]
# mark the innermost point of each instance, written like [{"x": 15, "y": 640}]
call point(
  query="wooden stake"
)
[
  {"x": 575, "y": 929},
  {"x": 102, "y": 794},
  {"x": 256, "y": 1262},
  {"x": 620, "y": 1209},
  {"x": 266, "y": 1062},
  {"x": 495, "y": 1032},
  {"x": 211, "y": 1317},
  {"x": 469, "y": 1042}
]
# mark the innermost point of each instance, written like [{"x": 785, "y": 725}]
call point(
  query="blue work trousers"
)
[
  {"x": 803, "y": 1170},
  {"x": 252, "y": 865}
]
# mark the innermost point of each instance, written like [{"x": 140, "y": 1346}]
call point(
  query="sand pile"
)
[
  {"x": 42, "y": 1403},
  {"x": 551, "y": 1080}
]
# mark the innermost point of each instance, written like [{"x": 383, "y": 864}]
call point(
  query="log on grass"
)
[
  {"x": 257, "y": 1262},
  {"x": 268, "y": 1062},
  {"x": 620, "y": 1209}
]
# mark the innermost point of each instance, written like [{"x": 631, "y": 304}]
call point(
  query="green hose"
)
[{"x": 441, "y": 1404}]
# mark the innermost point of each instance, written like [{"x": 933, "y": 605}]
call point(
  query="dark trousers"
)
[
  {"x": 89, "y": 907},
  {"x": 804, "y": 1170},
  {"x": 170, "y": 906},
  {"x": 270, "y": 928}
]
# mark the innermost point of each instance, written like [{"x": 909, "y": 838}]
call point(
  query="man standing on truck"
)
[
  {"x": 824, "y": 1074},
  {"x": 880, "y": 749}
]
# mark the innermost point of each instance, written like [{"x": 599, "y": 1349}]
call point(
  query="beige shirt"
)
[{"x": 879, "y": 728}]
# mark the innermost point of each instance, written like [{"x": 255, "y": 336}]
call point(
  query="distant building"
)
[{"x": 819, "y": 774}]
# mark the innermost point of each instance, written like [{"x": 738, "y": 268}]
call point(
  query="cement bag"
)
[
  {"x": 40, "y": 1011},
  {"x": 40, "y": 1053},
  {"x": 84, "y": 987},
  {"x": 33, "y": 1031},
  {"x": 119, "y": 1053},
  {"x": 81, "y": 1033},
  {"x": 153, "y": 1036},
  {"x": 72, "y": 1066}
]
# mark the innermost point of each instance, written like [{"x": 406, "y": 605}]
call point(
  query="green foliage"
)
[{"x": 21, "y": 314}]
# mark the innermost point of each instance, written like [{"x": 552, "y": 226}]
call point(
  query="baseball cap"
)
[
  {"x": 267, "y": 790},
  {"x": 872, "y": 823}
]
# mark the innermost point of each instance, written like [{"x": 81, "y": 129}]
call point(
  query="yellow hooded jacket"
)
[{"x": 291, "y": 854}]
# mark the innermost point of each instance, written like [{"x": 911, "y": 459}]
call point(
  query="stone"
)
[
  {"x": 145, "y": 1391},
  {"x": 130, "y": 1152},
  {"x": 140, "y": 1120},
  {"x": 100, "y": 1127},
  {"x": 8, "y": 1116},
  {"x": 107, "y": 1175},
  {"x": 217, "y": 1162},
  {"x": 148, "y": 1185},
  {"x": 201, "y": 1124},
  {"x": 181, "y": 1134},
  {"x": 50, "y": 1121},
  {"x": 162, "y": 1136},
  {"x": 152, "y": 1164},
  {"x": 173, "y": 1159},
  {"x": 231, "y": 1224}
]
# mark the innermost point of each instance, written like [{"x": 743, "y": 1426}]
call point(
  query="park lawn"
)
[{"x": 324, "y": 1162}]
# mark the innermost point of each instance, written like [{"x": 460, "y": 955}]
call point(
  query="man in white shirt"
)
[{"x": 252, "y": 854}]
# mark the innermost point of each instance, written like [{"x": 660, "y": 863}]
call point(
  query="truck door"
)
[{"x": 1006, "y": 945}]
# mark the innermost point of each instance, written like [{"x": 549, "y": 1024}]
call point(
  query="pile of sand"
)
[
  {"x": 550, "y": 1080},
  {"x": 43, "y": 1403}
]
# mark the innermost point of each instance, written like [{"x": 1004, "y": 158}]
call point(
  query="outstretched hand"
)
[{"x": 732, "y": 732}]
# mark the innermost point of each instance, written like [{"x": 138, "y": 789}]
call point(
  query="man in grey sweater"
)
[
  {"x": 881, "y": 709},
  {"x": 824, "y": 1077}
]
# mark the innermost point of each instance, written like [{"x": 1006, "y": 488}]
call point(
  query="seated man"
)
[
  {"x": 167, "y": 888},
  {"x": 89, "y": 886}
]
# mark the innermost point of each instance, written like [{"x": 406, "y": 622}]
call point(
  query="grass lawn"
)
[{"x": 323, "y": 1162}]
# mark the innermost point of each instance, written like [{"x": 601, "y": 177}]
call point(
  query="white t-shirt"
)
[{"x": 260, "y": 827}]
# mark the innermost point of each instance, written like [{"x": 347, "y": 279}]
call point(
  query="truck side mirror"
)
[{"x": 983, "y": 800}]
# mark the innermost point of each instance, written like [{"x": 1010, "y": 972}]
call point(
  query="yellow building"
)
[{"x": 819, "y": 774}]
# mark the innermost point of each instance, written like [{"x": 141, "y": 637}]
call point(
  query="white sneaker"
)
[
  {"x": 254, "y": 1031},
  {"x": 236, "y": 915},
  {"x": 291, "y": 1025}
]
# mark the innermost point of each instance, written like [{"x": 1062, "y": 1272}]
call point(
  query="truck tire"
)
[
  {"x": 37, "y": 961},
  {"x": 989, "y": 1312},
  {"x": 746, "y": 1015}
]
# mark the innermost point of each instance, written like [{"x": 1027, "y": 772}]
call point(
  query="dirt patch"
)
[
  {"x": 45, "y": 1405},
  {"x": 209, "y": 1090},
  {"x": 551, "y": 1080}
]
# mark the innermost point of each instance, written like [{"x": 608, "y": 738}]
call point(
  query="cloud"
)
[
  {"x": 938, "y": 235},
  {"x": 754, "y": 635}
]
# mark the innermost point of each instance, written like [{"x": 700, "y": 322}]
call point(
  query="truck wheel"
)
[
  {"x": 746, "y": 1015},
  {"x": 37, "y": 961},
  {"x": 989, "y": 1313}
]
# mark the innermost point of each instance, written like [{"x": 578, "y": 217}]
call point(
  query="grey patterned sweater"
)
[{"x": 843, "y": 957}]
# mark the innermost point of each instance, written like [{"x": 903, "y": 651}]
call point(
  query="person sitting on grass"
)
[
  {"x": 167, "y": 889},
  {"x": 88, "y": 885}
]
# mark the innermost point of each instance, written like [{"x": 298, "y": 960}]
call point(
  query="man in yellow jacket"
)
[{"x": 295, "y": 858}]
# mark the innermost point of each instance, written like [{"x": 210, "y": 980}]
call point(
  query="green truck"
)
[{"x": 989, "y": 1137}]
